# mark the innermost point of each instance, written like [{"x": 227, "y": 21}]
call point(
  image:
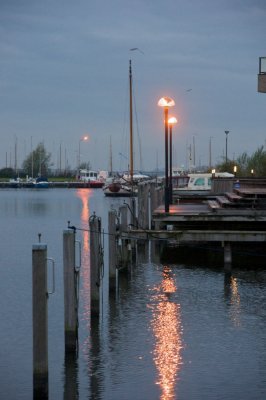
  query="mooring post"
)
[
  {"x": 70, "y": 295},
  {"x": 95, "y": 231},
  {"x": 145, "y": 204},
  {"x": 133, "y": 224},
  {"x": 123, "y": 229},
  {"x": 40, "y": 321},
  {"x": 227, "y": 256},
  {"x": 141, "y": 211},
  {"x": 112, "y": 250},
  {"x": 133, "y": 217}
]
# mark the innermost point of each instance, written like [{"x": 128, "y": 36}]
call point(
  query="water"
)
[{"x": 172, "y": 332}]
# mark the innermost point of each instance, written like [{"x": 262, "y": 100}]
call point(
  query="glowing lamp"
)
[{"x": 166, "y": 102}]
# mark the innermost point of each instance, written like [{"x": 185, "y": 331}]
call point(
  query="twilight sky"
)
[{"x": 64, "y": 74}]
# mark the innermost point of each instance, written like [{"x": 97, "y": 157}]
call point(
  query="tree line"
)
[
  {"x": 38, "y": 163},
  {"x": 254, "y": 165}
]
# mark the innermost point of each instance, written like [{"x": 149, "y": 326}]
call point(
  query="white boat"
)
[
  {"x": 202, "y": 181},
  {"x": 92, "y": 178}
]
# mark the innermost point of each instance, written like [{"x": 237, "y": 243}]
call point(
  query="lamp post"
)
[
  {"x": 171, "y": 121},
  {"x": 83, "y": 139},
  {"x": 166, "y": 102},
  {"x": 226, "y": 137}
]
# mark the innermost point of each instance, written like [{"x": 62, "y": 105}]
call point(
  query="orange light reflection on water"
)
[
  {"x": 235, "y": 302},
  {"x": 167, "y": 330},
  {"x": 84, "y": 195}
]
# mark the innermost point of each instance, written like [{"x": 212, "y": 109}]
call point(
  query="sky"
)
[{"x": 64, "y": 74}]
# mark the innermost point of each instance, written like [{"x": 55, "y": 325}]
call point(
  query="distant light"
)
[
  {"x": 166, "y": 102},
  {"x": 235, "y": 168},
  {"x": 172, "y": 120}
]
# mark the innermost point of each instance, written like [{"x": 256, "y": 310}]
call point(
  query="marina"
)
[
  {"x": 187, "y": 300},
  {"x": 132, "y": 201}
]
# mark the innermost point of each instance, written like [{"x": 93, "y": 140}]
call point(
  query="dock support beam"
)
[
  {"x": 40, "y": 321},
  {"x": 112, "y": 250},
  {"x": 70, "y": 296},
  {"x": 95, "y": 260},
  {"x": 227, "y": 257}
]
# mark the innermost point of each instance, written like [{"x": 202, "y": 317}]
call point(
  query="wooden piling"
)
[
  {"x": 70, "y": 295},
  {"x": 123, "y": 217},
  {"x": 40, "y": 321},
  {"x": 112, "y": 250},
  {"x": 125, "y": 252},
  {"x": 133, "y": 225},
  {"x": 95, "y": 261}
]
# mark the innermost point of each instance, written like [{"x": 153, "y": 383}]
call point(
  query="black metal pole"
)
[
  {"x": 170, "y": 166},
  {"x": 226, "y": 135},
  {"x": 166, "y": 189}
]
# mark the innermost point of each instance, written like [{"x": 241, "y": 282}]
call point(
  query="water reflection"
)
[
  {"x": 91, "y": 343},
  {"x": 84, "y": 196},
  {"x": 71, "y": 391},
  {"x": 233, "y": 298},
  {"x": 167, "y": 330}
]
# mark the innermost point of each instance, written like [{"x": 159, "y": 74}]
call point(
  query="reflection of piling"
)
[
  {"x": 112, "y": 250},
  {"x": 40, "y": 321},
  {"x": 71, "y": 377},
  {"x": 70, "y": 297},
  {"x": 227, "y": 257},
  {"x": 95, "y": 264}
]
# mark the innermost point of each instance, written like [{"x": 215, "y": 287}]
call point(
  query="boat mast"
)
[
  {"x": 131, "y": 124},
  {"x": 111, "y": 157}
]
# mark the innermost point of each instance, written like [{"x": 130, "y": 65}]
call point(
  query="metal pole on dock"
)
[
  {"x": 112, "y": 250},
  {"x": 70, "y": 291},
  {"x": 40, "y": 321},
  {"x": 95, "y": 231}
]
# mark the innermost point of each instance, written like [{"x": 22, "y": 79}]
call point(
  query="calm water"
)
[{"x": 172, "y": 332}]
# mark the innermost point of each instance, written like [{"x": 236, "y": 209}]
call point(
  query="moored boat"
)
[
  {"x": 41, "y": 183},
  {"x": 92, "y": 178}
]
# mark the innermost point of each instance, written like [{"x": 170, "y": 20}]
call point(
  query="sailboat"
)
[{"x": 126, "y": 185}]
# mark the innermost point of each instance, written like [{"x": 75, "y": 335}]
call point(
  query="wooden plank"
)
[
  {"x": 213, "y": 205},
  {"x": 233, "y": 196},
  {"x": 199, "y": 235},
  {"x": 223, "y": 200}
]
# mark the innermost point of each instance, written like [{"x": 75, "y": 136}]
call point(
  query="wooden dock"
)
[{"x": 237, "y": 216}]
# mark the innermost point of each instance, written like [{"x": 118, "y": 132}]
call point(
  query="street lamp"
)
[
  {"x": 171, "y": 121},
  {"x": 83, "y": 139},
  {"x": 226, "y": 135},
  {"x": 235, "y": 170},
  {"x": 166, "y": 102}
]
